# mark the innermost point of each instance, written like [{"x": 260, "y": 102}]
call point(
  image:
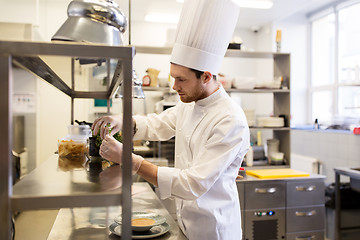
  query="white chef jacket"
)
[{"x": 211, "y": 139}]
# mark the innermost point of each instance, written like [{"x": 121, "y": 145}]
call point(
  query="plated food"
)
[
  {"x": 143, "y": 221},
  {"x": 156, "y": 231}
]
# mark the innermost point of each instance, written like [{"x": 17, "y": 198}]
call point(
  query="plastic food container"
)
[
  {"x": 79, "y": 130},
  {"x": 277, "y": 158},
  {"x": 76, "y": 142}
]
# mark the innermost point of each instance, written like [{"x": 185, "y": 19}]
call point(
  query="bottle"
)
[
  {"x": 259, "y": 140},
  {"x": 278, "y": 40},
  {"x": 146, "y": 80},
  {"x": 250, "y": 157},
  {"x": 316, "y": 124}
]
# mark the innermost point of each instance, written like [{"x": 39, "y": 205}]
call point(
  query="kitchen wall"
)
[
  {"x": 24, "y": 100},
  {"x": 331, "y": 148},
  {"x": 294, "y": 40}
]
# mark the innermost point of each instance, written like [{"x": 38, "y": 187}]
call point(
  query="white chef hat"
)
[{"x": 203, "y": 33}]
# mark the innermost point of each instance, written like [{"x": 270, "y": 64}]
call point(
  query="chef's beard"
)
[{"x": 193, "y": 96}]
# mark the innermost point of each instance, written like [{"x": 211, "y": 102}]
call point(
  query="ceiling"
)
[{"x": 248, "y": 18}]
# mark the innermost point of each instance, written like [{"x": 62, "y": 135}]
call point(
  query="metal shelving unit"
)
[
  {"x": 41, "y": 188},
  {"x": 281, "y": 106}
]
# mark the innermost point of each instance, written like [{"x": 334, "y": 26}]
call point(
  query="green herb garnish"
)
[{"x": 98, "y": 139}]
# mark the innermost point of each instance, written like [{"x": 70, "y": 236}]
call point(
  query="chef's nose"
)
[{"x": 175, "y": 86}]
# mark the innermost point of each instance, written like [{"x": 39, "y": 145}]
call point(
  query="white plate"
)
[
  {"x": 157, "y": 218},
  {"x": 155, "y": 231}
]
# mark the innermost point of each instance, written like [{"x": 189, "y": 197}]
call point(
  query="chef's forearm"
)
[
  {"x": 154, "y": 127},
  {"x": 148, "y": 171}
]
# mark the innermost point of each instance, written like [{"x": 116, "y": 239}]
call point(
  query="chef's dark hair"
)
[{"x": 199, "y": 73}]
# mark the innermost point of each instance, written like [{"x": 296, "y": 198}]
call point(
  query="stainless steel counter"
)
[
  {"x": 92, "y": 223},
  {"x": 311, "y": 177},
  {"x": 354, "y": 174}
]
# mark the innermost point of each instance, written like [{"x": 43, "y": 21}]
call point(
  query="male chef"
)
[{"x": 211, "y": 132}]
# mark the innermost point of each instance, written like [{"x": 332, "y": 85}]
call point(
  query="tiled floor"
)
[{"x": 34, "y": 225}]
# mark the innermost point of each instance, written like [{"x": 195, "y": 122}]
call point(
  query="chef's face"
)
[{"x": 187, "y": 85}]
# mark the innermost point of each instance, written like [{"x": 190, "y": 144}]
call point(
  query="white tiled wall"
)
[{"x": 332, "y": 149}]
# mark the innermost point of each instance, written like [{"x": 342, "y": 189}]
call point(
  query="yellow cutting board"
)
[{"x": 276, "y": 173}]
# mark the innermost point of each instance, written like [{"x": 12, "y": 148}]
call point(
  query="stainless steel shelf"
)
[
  {"x": 153, "y": 50},
  {"x": 229, "y": 52},
  {"x": 167, "y": 89},
  {"x": 258, "y": 90},
  {"x": 249, "y": 54},
  {"x": 48, "y": 187},
  {"x": 73, "y": 49},
  {"x": 153, "y": 89},
  {"x": 27, "y": 55}
]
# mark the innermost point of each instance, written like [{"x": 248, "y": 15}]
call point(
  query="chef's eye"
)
[{"x": 180, "y": 79}]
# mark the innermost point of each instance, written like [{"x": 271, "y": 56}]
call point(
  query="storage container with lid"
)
[{"x": 75, "y": 143}]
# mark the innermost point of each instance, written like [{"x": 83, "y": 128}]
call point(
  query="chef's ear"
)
[{"x": 207, "y": 76}]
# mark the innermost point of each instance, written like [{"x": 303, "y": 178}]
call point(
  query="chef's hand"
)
[
  {"x": 104, "y": 124},
  {"x": 111, "y": 150}
]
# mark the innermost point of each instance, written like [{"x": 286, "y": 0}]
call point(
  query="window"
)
[
  {"x": 349, "y": 102},
  {"x": 323, "y": 40},
  {"x": 322, "y": 105},
  {"x": 349, "y": 61},
  {"x": 335, "y": 61}
]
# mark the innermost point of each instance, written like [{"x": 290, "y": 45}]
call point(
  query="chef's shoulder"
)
[
  {"x": 228, "y": 108},
  {"x": 229, "y": 105}
]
